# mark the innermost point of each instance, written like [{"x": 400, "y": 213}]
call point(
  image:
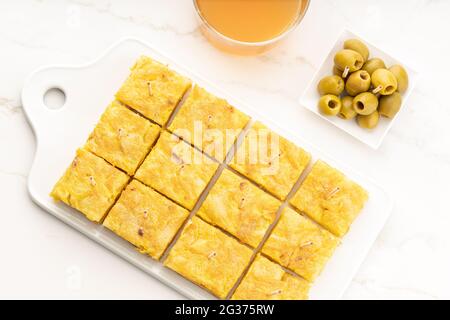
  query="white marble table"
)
[{"x": 43, "y": 258}]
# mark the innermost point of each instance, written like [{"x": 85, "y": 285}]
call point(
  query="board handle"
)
[{"x": 34, "y": 92}]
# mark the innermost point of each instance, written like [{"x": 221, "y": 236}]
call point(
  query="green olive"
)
[
  {"x": 365, "y": 103},
  {"x": 348, "y": 61},
  {"x": 373, "y": 64},
  {"x": 347, "y": 112},
  {"x": 358, "y": 82},
  {"x": 336, "y": 71},
  {"x": 358, "y": 46},
  {"x": 402, "y": 77},
  {"x": 330, "y": 105},
  {"x": 331, "y": 85},
  {"x": 369, "y": 121},
  {"x": 384, "y": 82},
  {"x": 390, "y": 105}
]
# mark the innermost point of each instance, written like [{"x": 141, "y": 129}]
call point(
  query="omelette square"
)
[
  {"x": 153, "y": 89},
  {"x": 300, "y": 245},
  {"x": 208, "y": 257},
  {"x": 177, "y": 170},
  {"x": 90, "y": 185},
  {"x": 235, "y": 205},
  {"x": 122, "y": 137},
  {"x": 266, "y": 280},
  {"x": 270, "y": 160},
  {"x": 146, "y": 219},
  {"x": 209, "y": 123},
  {"x": 330, "y": 198}
]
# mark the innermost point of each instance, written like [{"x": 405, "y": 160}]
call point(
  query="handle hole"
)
[{"x": 54, "y": 98}]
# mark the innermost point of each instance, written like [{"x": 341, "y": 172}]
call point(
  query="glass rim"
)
[{"x": 257, "y": 43}]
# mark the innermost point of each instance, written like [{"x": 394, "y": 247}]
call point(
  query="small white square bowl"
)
[{"x": 310, "y": 97}]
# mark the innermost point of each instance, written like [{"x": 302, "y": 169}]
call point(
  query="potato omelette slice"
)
[
  {"x": 270, "y": 160},
  {"x": 266, "y": 280},
  {"x": 208, "y": 257},
  {"x": 209, "y": 123},
  {"x": 330, "y": 198},
  {"x": 146, "y": 219},
  {"x": 122, "y": 137},
  {"x": 300, "y": 245},
  {"x": 177, "y": 170},
  {"x": 90, "y": 185},
  {"x": 237, "y": 206},
  {"x": 153, "y": 89}
]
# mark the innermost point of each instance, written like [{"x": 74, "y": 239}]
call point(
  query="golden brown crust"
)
[
  {"x": 122, "y": 137},
  {"x": 266, "y": 280},
  {"x": 146, "y": 219},
  {"x": 153, "y": 89},
  {"x": 209, "y": 123},
  {"x": 276, "y": 170},
  {"x": 177, "y": 170},
  {"x": 242, "y": 209},
  {"x": 208, "y": 257},
  {"x": 90, "y": 185},
  {"x": 300, "y": 245},
  {"x": 330, "y": 198}
]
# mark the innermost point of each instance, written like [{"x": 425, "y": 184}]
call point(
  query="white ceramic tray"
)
[
  {"x": 310, "y": 98},
  {"x": 88, "y": 90}
]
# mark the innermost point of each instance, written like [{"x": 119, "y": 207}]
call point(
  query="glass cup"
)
[{"x": 230, "y": 45}]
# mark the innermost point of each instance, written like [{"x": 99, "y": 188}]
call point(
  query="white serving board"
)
[
  {"x": 310, "y": 97},
  {"x": 89, "y": 89}
]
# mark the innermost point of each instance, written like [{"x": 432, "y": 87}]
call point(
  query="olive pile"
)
[{"x": 362, "y": 88}]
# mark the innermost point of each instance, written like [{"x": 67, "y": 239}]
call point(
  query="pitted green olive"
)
[
  {"x": 358, "y": 46},
  {"x": 384, "y": 82},
  {"x": 331, "y": 85},
  {"x": 330, "y": 105},
  {"x": 402, "y": 77},
  {"x": 347, "y": 112},
  {"x": 369, "y": 121},
  {"x": 373, "y": 64},
  {"x": 365, "y": 103},
  {"x": 348, "y": 61},
  {"x": 390, "y": 105},
  {"x": 358, "y": 82}
]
